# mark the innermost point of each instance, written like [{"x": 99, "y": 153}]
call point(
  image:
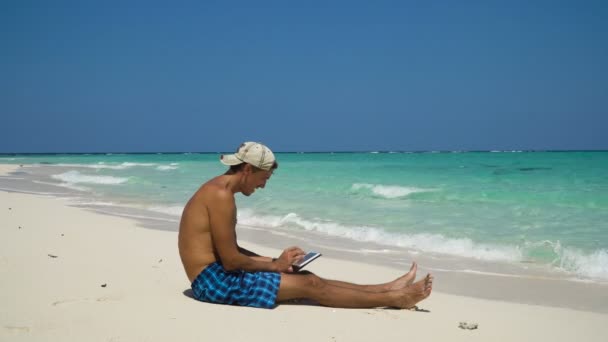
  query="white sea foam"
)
[
  {"x": 75, "y": 177},
  {"x": 102, "y": 165},
  {"x": 426, "y": 242},
  {"x": 65, "y": 185},
  {"x": 173, "y": 166},
  {"x": 97, "y": 166},
  {"x": 128, "y": 164},
  {"x": 584, "y": 265},
  {"x": 590, "y": 265},
  {"x": 569, "y": 259},
  {"x": 594, "y": 264},
  {"x": 387, "y": 191}
]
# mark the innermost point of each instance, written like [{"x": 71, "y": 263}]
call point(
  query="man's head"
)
[
  {"x": 253, "y": 153},
  {"x": 255, "y": 162}
]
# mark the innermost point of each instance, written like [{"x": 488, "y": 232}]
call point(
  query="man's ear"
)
[{"x": 247, "y": 169}]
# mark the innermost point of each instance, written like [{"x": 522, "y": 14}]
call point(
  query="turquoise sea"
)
[{"x": 543, "y": 208}]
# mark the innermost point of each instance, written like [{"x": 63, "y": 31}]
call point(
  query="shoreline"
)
[
  {"x": 55, "y": 266},
  {"x": 7, "y": 169}
]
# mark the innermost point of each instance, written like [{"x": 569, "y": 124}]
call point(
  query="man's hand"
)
[{"x": 289, "y": 256}]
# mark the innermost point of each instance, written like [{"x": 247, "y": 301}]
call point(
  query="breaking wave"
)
[
  {"x": 75, "y": 177},
  {"x": 426, "y": 242},
  {"x": 586, "y": 265},
  {"x": 386, "y": 191}
]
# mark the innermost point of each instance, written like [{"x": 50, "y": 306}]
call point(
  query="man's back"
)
[{"x": 195, "y": 243}]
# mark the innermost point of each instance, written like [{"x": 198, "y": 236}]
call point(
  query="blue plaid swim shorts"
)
[{"x": 256, "y": 289}]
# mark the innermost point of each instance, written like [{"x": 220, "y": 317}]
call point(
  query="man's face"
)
[{"x": 255, "y": 180}]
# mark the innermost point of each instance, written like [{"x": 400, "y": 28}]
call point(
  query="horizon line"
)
[{"x": 303, "y": 152}]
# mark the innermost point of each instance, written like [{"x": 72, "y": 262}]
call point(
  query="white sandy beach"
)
[{"x": 69, "y": 274}]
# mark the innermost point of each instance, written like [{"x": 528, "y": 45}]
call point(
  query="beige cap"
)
[{"x": 252, "y": 153}]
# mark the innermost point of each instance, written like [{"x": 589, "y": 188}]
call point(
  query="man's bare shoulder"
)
[
  {"x": 215, "y": 189},
  {"x": 212, "y": 196},
  {"x": 211, "y": 193}
]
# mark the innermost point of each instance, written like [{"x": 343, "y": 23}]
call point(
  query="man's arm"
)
[
  {"x": 222, "y": 211},
  {"x": 253, "y": 255}
]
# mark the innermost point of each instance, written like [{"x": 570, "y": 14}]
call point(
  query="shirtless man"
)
[{"x": 222, "y": 272}]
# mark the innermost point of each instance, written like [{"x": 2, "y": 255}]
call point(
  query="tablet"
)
[{"x": 307, "y": 259}]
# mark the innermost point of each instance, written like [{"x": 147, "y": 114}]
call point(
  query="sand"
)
[{"x": 69, "y": 274}]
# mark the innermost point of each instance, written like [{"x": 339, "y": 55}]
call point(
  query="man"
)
[{"x": 222, "y": 272}]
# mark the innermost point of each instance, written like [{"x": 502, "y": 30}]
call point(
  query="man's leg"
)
[
  {"x": 327, "y": 293},
  {"x": 397, "y": 284}
]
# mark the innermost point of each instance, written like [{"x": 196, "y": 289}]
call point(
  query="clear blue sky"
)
[{"x": 151, "y": 76}]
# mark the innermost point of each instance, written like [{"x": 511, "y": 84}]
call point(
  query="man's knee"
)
[
  {"x": 314, "y": 281},
  {"x": 300, "y": 285}
]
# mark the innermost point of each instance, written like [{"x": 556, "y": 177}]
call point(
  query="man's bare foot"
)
[
  {"x": 415, "y": 293},
  {"x": 405, "y": 280}
]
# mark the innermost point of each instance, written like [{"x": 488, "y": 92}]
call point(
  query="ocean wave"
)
[
  {"x": 426, "y": 242},
  {"x": 75, "y": 177},
  {"x": 64, "y": 185},
  {"x": 594, "y": 264},
  {"x": 102, "y": 165},
  {"x": 583, "y": 265},
  {"x": 129, "y": 164},
  {"x": 172, "y": 166},
  {"x": 387, "y": 191}
]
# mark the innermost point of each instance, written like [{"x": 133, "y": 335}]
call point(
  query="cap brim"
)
[{"x": 230, "y": 159}]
